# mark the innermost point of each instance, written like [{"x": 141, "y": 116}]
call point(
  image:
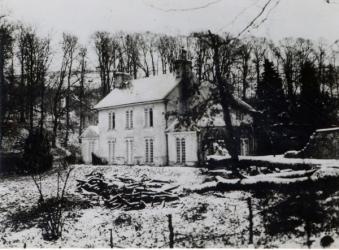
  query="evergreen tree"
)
[
  {"x": 310, "y": 111},
  {"x": 272, "y": 103}
]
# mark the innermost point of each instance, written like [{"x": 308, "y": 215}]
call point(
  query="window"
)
[
  {"x": 148, "y": 117},
  {"x": 239, "y": 115},
  {"x": 244, "y": 146},
  {"x": 181, "y": 150},
  {"x": 129, "y": 151},
  {"x": 129, "y": 119},
  {"x": 149, "y": 151},
  {"x": 111, "y": 151},
  {"x": 111, "y": 120}
]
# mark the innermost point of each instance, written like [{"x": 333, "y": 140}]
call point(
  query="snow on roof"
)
[
  {"x": 327, "y": 129},
  {"x": 90, "y": 131},
  {"x": 141, "y": 90}
]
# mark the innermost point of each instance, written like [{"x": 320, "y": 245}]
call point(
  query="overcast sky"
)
[
  {"x": 297, "y": 18},
  {"x": 305, "y": 18}
]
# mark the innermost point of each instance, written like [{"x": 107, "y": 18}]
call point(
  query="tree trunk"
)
[
  {"x": 153, "y": 65},
  {"x": 81, "y": 98},
  {"x": 42, "y": 106},
  {"x": 230, "y": 139},
  {"x": 2, "y": 87},
  {"x": 23, "y": 89},
  {"x": 68, "y": 96}
]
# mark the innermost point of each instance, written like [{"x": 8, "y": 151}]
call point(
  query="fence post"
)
[
  {"x": 171, "y": 234},
  {"x": 250, "y": 219},
  {"x": 111, "y": 238}
]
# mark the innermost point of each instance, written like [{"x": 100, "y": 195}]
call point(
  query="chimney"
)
[
  {"x": 182, "y": 66},
  {"x": 121, "y": 79},
  {"x": 183, "y": 72}
]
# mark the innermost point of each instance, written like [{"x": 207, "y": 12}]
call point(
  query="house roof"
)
[
  {"x": 90, "y": 132},
  {"x": 141, "y": 90}
]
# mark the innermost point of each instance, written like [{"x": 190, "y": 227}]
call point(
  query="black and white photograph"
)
[{"x": 169, "y": 124}]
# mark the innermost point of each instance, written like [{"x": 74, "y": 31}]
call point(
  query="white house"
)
[{"x": 134, "y": 126}]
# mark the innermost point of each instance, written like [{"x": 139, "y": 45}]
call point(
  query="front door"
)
[{"x": 129, "y": 151}]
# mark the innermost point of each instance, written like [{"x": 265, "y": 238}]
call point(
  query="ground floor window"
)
[
  {"x": 181, "y": 150},
  {"x": 129, "y": 150},
  {"x": 111, "y": 151},
  {"x": 149, "y": 150},
  {"x": 244, "y": 146}
]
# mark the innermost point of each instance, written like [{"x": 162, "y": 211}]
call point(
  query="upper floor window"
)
[
  {"x": 239, "y": 115},
  {"x": 148, "y": 117},
  {"x": 111, "y": 120},
  {"x": 129, "y": 119}
]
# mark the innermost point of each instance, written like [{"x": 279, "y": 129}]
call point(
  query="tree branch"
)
[
  {"x": 183, "y": 9},
  {"x": 256, "y": 17}
]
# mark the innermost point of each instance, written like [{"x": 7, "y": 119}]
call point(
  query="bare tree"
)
[
  {"x": 131, "y": 50},
  {"x": 259, "y": 50},
  {"x": 225, "y": 53},
  {"x": 34, "y": 54},
  {"x": 245, "y": 57},
  {"x": 59, "y": 91},
  {"x": 107, "y": 49},
  {"x": 6, "y": 47},
  {"x": 292, "y": 53},
  {"x": 82, "y": 64},
  {"x": 71, "y": 42},
  {"x": 145, "y": 47},
  {"x": 42, "y": 68}
]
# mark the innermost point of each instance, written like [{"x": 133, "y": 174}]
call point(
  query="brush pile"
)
[{"x": 127, "y": 193}]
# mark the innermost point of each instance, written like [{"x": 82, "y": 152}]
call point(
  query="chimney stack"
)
[
  {"x": 121, "y": 79},
  {"x": 182, "y": 66}
]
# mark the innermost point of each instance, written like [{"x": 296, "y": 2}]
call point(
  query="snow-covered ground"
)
[
  {"x": 281, "y": 159},
  {"x": 199, "y": 220}
]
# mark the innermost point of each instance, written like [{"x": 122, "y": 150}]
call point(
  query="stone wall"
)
[{"x": 323, "y": 144}]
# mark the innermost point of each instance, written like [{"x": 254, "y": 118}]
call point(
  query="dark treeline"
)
[{"x": 292, "y": 83}]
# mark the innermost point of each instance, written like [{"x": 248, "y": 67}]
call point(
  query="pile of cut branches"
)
[{"x": 127, "y": 193}]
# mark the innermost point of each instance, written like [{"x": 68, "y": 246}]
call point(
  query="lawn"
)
[{"x": 213, "y": 219}]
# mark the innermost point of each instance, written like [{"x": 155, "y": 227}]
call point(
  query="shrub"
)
[
  {"x": 97, "y": 160},
  {"x": 37, "y": 155}
]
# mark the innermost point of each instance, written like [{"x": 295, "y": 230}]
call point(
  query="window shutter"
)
[
  {"x": 131, "y": 118},
  {"x": 147, "y": 153},
  {"x": 109, "y": 121},
  {"x": 146, "y": 117},
  {"x": 183, "y": 150},
  {"x": 151, "y": 117},
  {"x": 127, "y": 119},
  {"x": 151, "y": 150},
  {"x": 178, "y": 150},
  {"x": 113, "y": 120}
]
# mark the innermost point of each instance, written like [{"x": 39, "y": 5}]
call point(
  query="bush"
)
[
  {"x": 10, "y": 163},
  {"x": 37, "y": 154},
  {"x": 97, "y": 160}
]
